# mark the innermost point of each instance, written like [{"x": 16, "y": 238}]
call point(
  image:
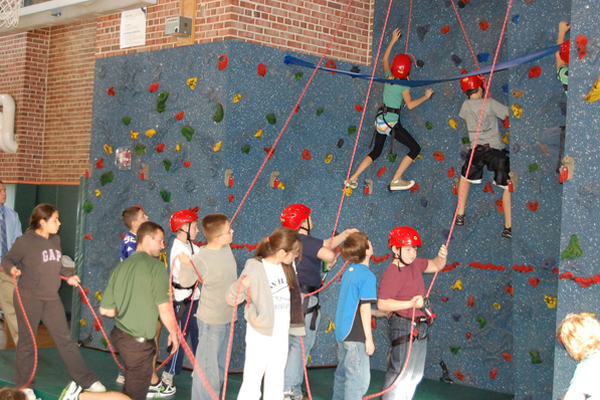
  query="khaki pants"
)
[{"x": 7, "y": 288}]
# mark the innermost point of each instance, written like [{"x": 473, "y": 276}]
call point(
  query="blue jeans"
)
[
  {"x": 405, "y": 388},
  {"x": 211, "y": 356},
  {"x": 176, "y": 363},
  {"x": 294, "y": 369},
  {"x": 353, "y": 373}
]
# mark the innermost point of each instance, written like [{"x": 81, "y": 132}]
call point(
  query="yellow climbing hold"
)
[
  {"x": 331, "y": 326},
  {"x": 162, "y": 257},
  {"x": 452, "y": 123},
  {"x": 419, "y": 156},
  {"x": 505, "y": 137},
  {"x": 348, "y": 191},
  {"x": 237, "y": 97},
  {"x": 98, "y": 192},
  {"x": 594, "y": 93},
  {"x": 517, "y": 110},
  {"x": 258, "y": 134},
  {"x": 328, "y": 158},
  {"x": 192, "y": 82},
  {"x": 134, "y": 135},
  {"x": 281, "y": 185},
  {"x": 178, "y": 147},
  {"x": 82, "y": 322},
  {"x": 150, "y": 133},
  {"x": 458, "y": 285},
  {"x": 98, "y": 296},
  {"x": 217, "y": 147},
  {"x": 550, "y": 301},
  {"x": 309, "y": 359},
  {"x": 108, "y": 149},
  {"x": 497, "y": 306}
]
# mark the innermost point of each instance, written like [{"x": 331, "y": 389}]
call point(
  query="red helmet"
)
[
  {"x": 471, "y": 82},
  {"x": 402, "y": 236},
  {"x": 563, "y": 52},
  {"x": 182, "y": 217},
  {"x": 401, "y": 66},
  {"x": 293, "y": 215}
]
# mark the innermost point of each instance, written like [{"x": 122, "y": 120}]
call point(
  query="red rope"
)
[
  {"x": 304, "y": 365},
  {"x": 465, "y": 33},
  {"x": 230, "y": 342},
  {"x": 292, "y": 112},
  {"x": 408, "y": 30},
  {"x": 35, "y": 349}
]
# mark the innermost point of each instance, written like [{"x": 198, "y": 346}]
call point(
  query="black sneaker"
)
[
  {"x": 507, "y": 232},
  {"x": 460, "y": 219}
]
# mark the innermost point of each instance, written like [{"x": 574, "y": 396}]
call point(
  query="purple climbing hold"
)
[
  {"x": 456, "y": 59},
  {"x": 422, "y": 31},
  {"x": 446, "y": 232},
  {"x": 448, "y": 3},
  {"x": 549, "y": 263},
  {"x": 420, "y": 63},
  {"x": 424, "y": 202},
  {"x": 456, "y": 317},
  {"x": 515, "y": 147},
  {"x": 563, "y": 108}
]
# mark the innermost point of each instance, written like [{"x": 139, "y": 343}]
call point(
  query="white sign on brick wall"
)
[{"x": 133, "y": 28}]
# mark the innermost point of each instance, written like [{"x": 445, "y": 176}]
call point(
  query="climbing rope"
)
[
  {"x": 465, "y": 33},
  {"x": 35, "y": 349},
  {"x": 408, "y": 29}
]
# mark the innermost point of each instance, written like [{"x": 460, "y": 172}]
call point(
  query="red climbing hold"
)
[
  {"x": 469, "y": 335},
  {"x": 269, "y": 151},
  {"x": 230, "y": 198},
  {"x": 506, "y": 123},
  {"x": 493, "y": 373},
  {"x": 534, "y": 72},
  {"x": 415, "y": 187},
  {"x": 463, "y": 71},
  {"x": 445, "y": 29},
  {"x": 297, "y": 109},
  {"x": 438, "y": 156},
  {"x": 522, "y": 268},
  {"x": 97, "y": 324},
  {"x": 581, "y": 43},
  {"x": 471, "y": 302},
  {"x": 444, "y": 299},
  {"x": 373, "y": 323},
  {"x": 122, "y": 236},
  {"x": 88, "y": 236},
  {"x": 187, "y": 164},
  {"x": 509, "y": 289},
  {"x": 160, "y": 148},
  {"x": 100, "y": 163},
  {"x": 223, "y": 61},
  {"x": 306, "y": 155},
  {"x": 459, "y": 375},
  {"x": 483, "y": 25},
  {"x": 533, "y": 206},
  {"x": 358, "y": 107},
  {"x": 451, "y": 172},
  {"x": 507, "y": 357},
  {"x": 534, "y": 281},
  {"x": 111, "y": 90},
  {"x": 331, "y": 64},
  {"x": 261, "y": 70},
  {"x": 381, "y": 171},
  {"x": 194, "y": 209},
  {"x": 86, "y": 174},
  {"x": 84, "y": 298},
  {"x": 454, "y": 189},
  {"x": 499, "y": 204},
  {"x": 153, "y": 87},
  {"x": 488, "y": 188},
  {"x": 180, "y": 115}
]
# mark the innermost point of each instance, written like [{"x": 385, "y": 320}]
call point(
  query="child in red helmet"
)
[
  {"x": 308, "y": 269},
  {"x": 562, "y": 56},
  {"x": 401, "y": 288},
  {"x": 490, "y": 152},
  {"x": 388, "y": 118}
]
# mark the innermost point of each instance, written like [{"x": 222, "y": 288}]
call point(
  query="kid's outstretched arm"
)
[
  {"x": 438, "y": 262},
  {"x": 386, "y": 56}
]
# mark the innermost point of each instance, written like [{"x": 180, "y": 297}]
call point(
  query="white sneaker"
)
[
  {"x": 120, "y": 378},
  {"x": 29, "y": 394},
  {"x": 71, "y": 392},
  {"x": 401, "y": 185},
  {"x": 167, "y": 378},
  {"x": 351, "y": 184},
  {"x": 96, "y": 387},
  {"x": 160, "y": 390}
]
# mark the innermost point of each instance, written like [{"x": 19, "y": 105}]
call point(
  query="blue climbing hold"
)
[
  {"x": 483, "y": 57},
  {"x": 516, "y": 19},
  {"x": 456, "y": 317},
  {"x": 424, "y": 202},
  {"x": 422, "y": 31}
]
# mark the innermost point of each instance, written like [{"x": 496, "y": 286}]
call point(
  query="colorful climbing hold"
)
[
  {"x": 217, "y": 146},
  {"x": 328, "y": 158},
  {"x": 381, "y": 171},
  {"x": 594, "y": 93},
  {"x": 509, "y": 289},
  {"x": 533, "y": 167},
  {"x": 160, "y": 148},
  {"x": 488, "y": 188},
  {"x": 458, "y": 285},
  {"x": 187, "y": 131},
  {"x": 246, "y": 149},
  {"x": 261, "y": 70},
  {"x": 438, "y": 156},
  {"x": 534, "y": 72},
  {"x": 483, "y": 57},
  {"x": 505, "y": 137},
  {"x": 167, "y": 164},
  {"x": 455, "y": 349},
  {"x": 108, "y": 150},
  {"x": 415, "y": 187},
  {"x": 499, "y": 205},
  {"x": 306, "y": 155},
  {"x": 445, "y": 29},
  {"x": 484, "y": 26},
  {"x": 352, "y": 130},
  {"x": 319, "y": 111},
  {"x": 330, "y": 326},
  {"x": 269, "y": 151},
  {"x": 392, "y": 156},
  {"x": 422, "y": 31},
  {"x": 82, "y": 322},
  {"x": 126, "y": 120},
  {"x": 192, "y": 82},
  {"x": 107, "y": 177},
  {"x": 517, "y": 110},
  {"x": 533, "y": 206},
  {"x": 98, "y": 296},
  {"x": 465, "y": 140},
  {"x": 219, "y": 113},
  {"x": 223, "y": 61},
  {"x": 178, "y": 147},
  {"x": 482, "y": 321},
  {"x": 166, "y": 196},
  {"x": 187, "y": 164},
  {"x": 535, "y": 357},
  {"x": 358, "y": 107},
  {"x": 140, "y": 148},
  {"x": 452, "y": 123},
  {"x": 153, "y": 87},
  {"x": 451, "y": 172},
  {"x": 534, "y": 281},
  {"x": 457, "y": 373},
  {"x": 331, "y": 64},
  {"x": 493, "y": 373},
  {"x": 471, "y": 302},
  {"x": 340, "y": 143},
  {"x": 134, "y": 135},
  {"x": 298, "y": 76},
  {"x": 497, "y": 305},
  {"x": 236, "y": 98},
  {"x": 100, "y": 163},
  {"x": 179, "y": 115},
  {"x": 150, "y": 132},
  {"x": 88, "y": 207},
  {"x": 230, "y": 198},
  {"x": 161, "y": 101},
  {"x": 573, "y": 250},
  {"x": 97, "y": 192},
  {"x": 516, "y": 19},
  {"x": 550, "y": 301},
  {"x": 507, "y": 357},
  {"x": 111, "y": 91},
  {"x": 428, "y": 125},
  {"x": 581, "y": 41},
  {"x": 456, "y": 60},
  {"x": 272, "y": 119},
  {"x": 468, "y": 335}
]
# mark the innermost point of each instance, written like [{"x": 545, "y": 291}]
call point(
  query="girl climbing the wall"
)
[
  {"x": 35, "y": 258},
  {"x": 388, "y": 118},
  {"x": 273, "y": 313}
]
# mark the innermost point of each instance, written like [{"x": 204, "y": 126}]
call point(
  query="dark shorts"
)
[{"x": 495, "y": 160}]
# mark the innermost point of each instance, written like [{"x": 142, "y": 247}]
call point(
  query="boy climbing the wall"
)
[{"x": 490, "y": 151}]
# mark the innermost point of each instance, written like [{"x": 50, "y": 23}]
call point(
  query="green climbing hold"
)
[
  {"x": 481, "y": 321},
  {"x": 187, "y": 131},
  {"x": 140, "y": 148},
  {"x": 533, "y": 167},
  {"x": 392, "y": 157},
  {"x": 573, "y": 250},
  {"x": 246, "y": 149},
  {"x": 166, "y": 196},
  {"x": 126, "y": 120},
  {"x": 161, "y": 101},
  {"x": 352, "y": 130},
  {"x": 535, "y": 357},
  {"x": 319, "y": 111},
  {"x": 167, "y": 164},
  {"x": 465, "y": 140},
  {"x": 272, "y": 119},
  {"x": 299, "y": 75},
  {"x": 88, "y": 207},
  {"x": 219, "y": 114},
  {"x": 107, "y": 177},
  {"x": 455, "y": 349},
  {"x": 429, "y": 125},
  {"x": 104, "y": 343}
]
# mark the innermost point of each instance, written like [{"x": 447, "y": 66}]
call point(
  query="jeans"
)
[
  {"x": 353, "y": 373},
  {"x": 405, "y": 388},
  {"x": 176, "y": 363},
  {"x": 294, "y": 369},
  {"x": 211, "y": 355}
]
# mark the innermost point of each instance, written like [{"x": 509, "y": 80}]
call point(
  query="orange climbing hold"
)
[
  {"x": 223, "y": 61},
  {"x": 507, "y": 357},
  {"x": 581, "y": 41},
  {"x": 88, "y": 236},
  {"x": 187, "y": 164},
  {"x": 484, "y": 26},
  {"x": 153, "y": 87},
  {"x": 534, "y": 72},
  {"x": 469, "y": 335},
  {"x": 509, "y": 289},
  {"x": 488, "y": 188},
  {"x": 534, "y": 281},
  {"x": 459, "y": 375},
  {"x": 381, "y": 171},
  {"x": 331, "y": 64},
  {"x": 445, "y": 29},
  {"x": 471, "y": 302},
  {"x": 261, "y": 70},
  {"x": 438, "y": 156},
  {"x": 180, "y": 115},
  {"x": 306, "y": 155}
]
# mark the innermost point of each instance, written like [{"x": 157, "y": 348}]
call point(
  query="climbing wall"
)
[{"x": 190, "y": 127}]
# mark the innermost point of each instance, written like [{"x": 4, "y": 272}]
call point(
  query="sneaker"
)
[
  {"x": 290, "y": 395},
  {"x": 29, "y": 394},
  {"x": 71, "y": 392},
  {"x": 160, "y": 390},
  {"x": 460, "y": 219},
  {"x": 351, "y": 184},
  {"x": 96, "y": 387},
  {"x": 167, "y": 378},
  {"x": 507, "y": 232},
  {"x": 121, "y": 378},
  {"x": 401, "y": 185}
]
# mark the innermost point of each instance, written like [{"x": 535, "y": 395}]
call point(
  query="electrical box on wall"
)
[{"x": 178, "y": 26}]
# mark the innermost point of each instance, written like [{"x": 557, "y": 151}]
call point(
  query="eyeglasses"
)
[{"x": 229, "y": 231}]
